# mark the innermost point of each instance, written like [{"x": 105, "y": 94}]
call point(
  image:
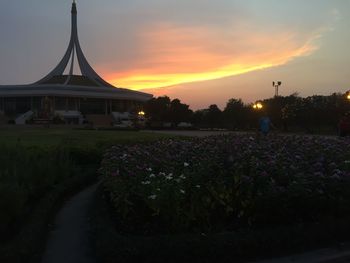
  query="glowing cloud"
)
[{"x": 173, "y": 55}]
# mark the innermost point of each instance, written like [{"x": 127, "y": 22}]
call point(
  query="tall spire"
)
[
  {"x": 74, "y": 7},
  {"x": 74, "y": 47}
]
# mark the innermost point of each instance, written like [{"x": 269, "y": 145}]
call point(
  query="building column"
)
[{"x": 106, "y": 107}]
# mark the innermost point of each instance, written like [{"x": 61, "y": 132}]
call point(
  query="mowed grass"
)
[{"x": 46, "y": 137}]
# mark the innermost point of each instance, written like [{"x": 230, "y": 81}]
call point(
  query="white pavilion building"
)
[{"x": 74, "y": 98}]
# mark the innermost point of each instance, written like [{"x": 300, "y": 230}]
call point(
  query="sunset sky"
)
[{"x": 200, "y": 51}]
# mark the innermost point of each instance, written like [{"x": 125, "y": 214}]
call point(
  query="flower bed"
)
[{"x": 226, "y": 183}]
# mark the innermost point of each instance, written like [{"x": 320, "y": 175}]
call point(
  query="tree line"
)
[{"x": 292, "y": 112}]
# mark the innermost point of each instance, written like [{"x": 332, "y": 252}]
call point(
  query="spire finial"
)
[{"x": 74, "y": 7}]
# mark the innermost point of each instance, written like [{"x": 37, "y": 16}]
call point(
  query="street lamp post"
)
[
  {"x": 258, "y": 106},
  {"x": 276, "y": 85}
]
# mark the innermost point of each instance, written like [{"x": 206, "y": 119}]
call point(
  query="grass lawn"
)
[{"x": 44, "y": 137}]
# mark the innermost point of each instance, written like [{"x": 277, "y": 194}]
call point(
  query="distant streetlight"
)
[
  {"x": 141, "y": 113},
  {"x": 348, "y": 95},
  {"x": 257, "y": 106},
  {"x": 276, "y": 85}
]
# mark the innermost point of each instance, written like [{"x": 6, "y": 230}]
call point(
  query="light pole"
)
[
  {"x": 276, "y": 85},
  {"x": 257, "y": 107}
]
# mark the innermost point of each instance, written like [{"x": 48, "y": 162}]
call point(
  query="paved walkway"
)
[
  {"x": 69, "y": 242},
  {"x": 204, "y": 133},
  {"x": 196, "y": 133}
]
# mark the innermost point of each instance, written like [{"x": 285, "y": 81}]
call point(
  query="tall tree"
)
[
  {"x": 234, "y": 114},
  {"x": 213, "y": 117},
  {"x": 157, "y": 109},
  {"x": 179, "y": 112}
]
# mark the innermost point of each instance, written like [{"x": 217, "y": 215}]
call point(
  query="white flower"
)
[
  {"x": 182, "y": 191},
  {"x": 186, "y": 164},
  {"x": 158, "y": 189},
  {"x": 168, "y": 177},
  {"x": 146, "y": 182},
  {"x": 198, "y": 186},
  {"x": 182, "y": 177},
  {"x": 152, "y": 175},
  {"x": 149, "y": 169},
  {"x": 152, "y": 197}
]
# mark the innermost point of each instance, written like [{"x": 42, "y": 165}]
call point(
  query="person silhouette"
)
[
  {"x": 344, "y": 125},
  {"x": 264, "y": 125}
]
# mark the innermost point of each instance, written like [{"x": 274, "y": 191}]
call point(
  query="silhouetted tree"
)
[
  {"x": 198, "y": 118},
  {"x": 179, "y": 112},
  {"x": 162, "y": 109},
  {"x": 234, "y": 114},
  {"x": 213, "y": 117},
  {"x": 291, "y": 112},
  {"x": 157, "y": 110}
]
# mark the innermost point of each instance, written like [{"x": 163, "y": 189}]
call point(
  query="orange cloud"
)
[{"x": 175, "y": 55}]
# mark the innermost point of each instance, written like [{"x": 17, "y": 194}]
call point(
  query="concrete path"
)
[
  {"x": 196, "y": 133},
  {"x": 204, "y": 133},
  {"x": 69, "y": 241}
]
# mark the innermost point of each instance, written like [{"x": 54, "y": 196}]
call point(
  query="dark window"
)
[
  {"x": 1, "y": 104},
  {"x": 10, "y": 106},
  {"x": 117, "y": 106},
  {"x": 92, "y": 106},
  {"x": 23, "y": 105},
  {"x": 37, "y": 104},
  {"x": 60, "y": 103},
  {"x": 72, "y": 104}
]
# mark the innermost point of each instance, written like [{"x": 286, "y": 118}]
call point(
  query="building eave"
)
[{"x": 73, "y": 91}]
